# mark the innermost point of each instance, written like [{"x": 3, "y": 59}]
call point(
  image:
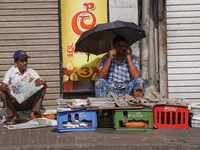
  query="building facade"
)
[{"x": 169, "y": 55}]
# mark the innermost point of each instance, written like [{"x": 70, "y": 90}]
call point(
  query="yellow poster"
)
[{"x": 78, "y": 16}]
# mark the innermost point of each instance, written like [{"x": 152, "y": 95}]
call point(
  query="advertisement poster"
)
[{"x": 78, "y": 16}]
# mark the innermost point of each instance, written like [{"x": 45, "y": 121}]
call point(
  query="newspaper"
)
[
  {"x": 60, "y": 109},
  {"x": 24, "y": 87},
  {"x": 74, "y": 102},
  {"x": 35, "y": 123}
]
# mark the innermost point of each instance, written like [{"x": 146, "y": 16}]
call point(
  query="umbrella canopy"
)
[{"x": 98, "y": 40}]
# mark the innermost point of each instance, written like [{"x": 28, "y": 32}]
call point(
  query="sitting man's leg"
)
[
  {"x": 34, "y": 103},
  {"x": 135, "y": 87},
  {"x": 102, "y": 88},
  {"x": 10, "y": 103}
]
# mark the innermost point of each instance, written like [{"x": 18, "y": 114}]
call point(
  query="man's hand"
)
[
  {"x": 4, "y": 87},
  {"x": 112, "y": 52},
  {"x": 129, "y": 51},
  {"x": 135, "y": 73},
  {"x": 38, "y": 82},
  {"x": 104, "y": 70}
]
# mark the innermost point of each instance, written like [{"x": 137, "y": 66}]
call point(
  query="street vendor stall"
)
[{"x": 151, "y": 111}]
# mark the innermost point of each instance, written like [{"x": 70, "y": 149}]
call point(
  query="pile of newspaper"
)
[
  {"x": 194, "y": 109},
  {"x": 101, "y": 102},
  {"x": 81, "y": 103},
  {"x": 72, "y": 102}
]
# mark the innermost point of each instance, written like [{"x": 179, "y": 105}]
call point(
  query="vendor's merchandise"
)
[
  {"x": 195, "y": 120},
  {"x": 128, "y": 100},
  {"x": 177, "y": 102},
  {"x": 123, "y": 100},
  {"x": 101, "y": 102},
  {"x": 152, "y": 94},
  {"x": 72, "y": 103},
  {"x": 194, "y": 110},
  {"x": 35, "y": 123},
  {"x": 119, "y": 100}
]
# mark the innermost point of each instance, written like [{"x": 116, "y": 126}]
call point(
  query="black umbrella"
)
[{"x": 98, "y": 40}]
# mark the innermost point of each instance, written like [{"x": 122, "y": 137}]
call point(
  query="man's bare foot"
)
[
  {"x": 31, "y": 116},
  {"x": 138, "y": 93},
  {"x": 14, "y": 120}
]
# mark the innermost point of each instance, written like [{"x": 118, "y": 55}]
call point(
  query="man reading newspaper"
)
[{"x": 34, "y": 102}]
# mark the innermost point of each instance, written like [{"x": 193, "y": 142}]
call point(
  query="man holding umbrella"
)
[{"x": 119, "y": 71}]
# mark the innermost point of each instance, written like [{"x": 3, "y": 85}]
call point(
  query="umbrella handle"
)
[
  {"x": 88, "y": 55},
  {"x": 110, "y": 38},
  {"x": 110, "y": 43}
]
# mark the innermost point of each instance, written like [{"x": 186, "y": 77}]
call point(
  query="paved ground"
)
[{"x": 48, "y": 138}]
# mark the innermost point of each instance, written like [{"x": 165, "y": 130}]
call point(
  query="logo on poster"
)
[
  {"x": 71, "y": 50},
  {"x": 79, "y": 18}
]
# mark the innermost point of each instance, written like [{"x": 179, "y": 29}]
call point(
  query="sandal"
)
[{"x": 13, "y": 121}]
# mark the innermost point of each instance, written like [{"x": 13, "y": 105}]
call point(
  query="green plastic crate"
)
[{"x": 121, "y": 116}]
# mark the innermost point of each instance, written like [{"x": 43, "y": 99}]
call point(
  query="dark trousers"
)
[{"x": 33, "y": 103}]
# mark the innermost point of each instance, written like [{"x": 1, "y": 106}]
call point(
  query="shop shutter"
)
[
  {"x": 183, "y": 49},
  {"x": 32, "y": 25}
]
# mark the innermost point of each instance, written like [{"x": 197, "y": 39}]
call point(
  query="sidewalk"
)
[{"x": 48, "y": 138}]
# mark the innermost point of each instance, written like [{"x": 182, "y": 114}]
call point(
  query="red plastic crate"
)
[{"x": 171, "y": 117}]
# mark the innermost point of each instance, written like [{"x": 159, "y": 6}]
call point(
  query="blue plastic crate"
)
[{"x": 88, "y": 115}]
